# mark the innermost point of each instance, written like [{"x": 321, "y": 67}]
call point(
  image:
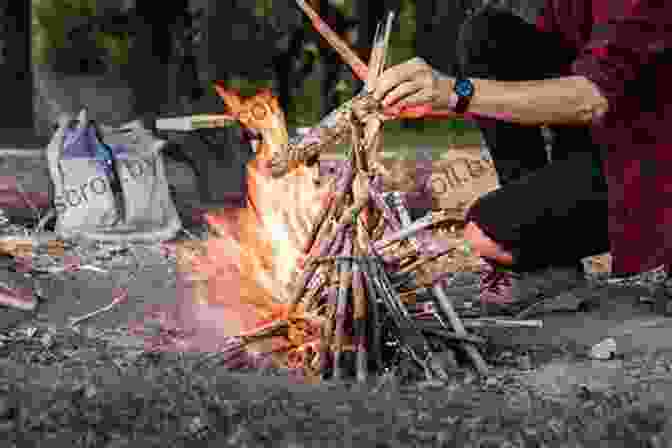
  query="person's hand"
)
[{"x": 412, "y": 83}]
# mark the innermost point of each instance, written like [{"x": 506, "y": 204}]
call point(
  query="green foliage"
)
[
  {"x": 53, "y": 19},
  {"x": 117, "y": 48}
]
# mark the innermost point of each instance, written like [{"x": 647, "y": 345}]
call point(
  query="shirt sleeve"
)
[{"x": 621, "y": 46}]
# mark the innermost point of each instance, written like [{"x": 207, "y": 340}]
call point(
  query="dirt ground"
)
[{"x": 98, "y": 386}]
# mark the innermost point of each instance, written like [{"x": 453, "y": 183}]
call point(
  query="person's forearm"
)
[{"x": 561, "y": 101}]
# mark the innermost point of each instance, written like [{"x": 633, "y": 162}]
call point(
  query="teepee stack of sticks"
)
[
  {"x": 364, "y": 250},
  {"x": 365, "y": 267}
]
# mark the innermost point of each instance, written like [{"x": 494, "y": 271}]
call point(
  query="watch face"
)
[{"x": 464, "y": 87}]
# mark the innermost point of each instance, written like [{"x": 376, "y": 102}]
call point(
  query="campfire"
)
[{"x": 332, "y": 270}]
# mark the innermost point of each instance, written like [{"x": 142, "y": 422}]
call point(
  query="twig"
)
[
  {"x": 374, "y": 60},
  {"x": 410, "y": 231},
  {"x": 345, "y": 271},
  {"x": 51, "y": 213},
  {"x": 379, "y": 53},
  {"x": 446, "y": 308},
  {"x": 30, "y": 203},
  {"x": 373, "y": 316},
  {"x": 388, "y": 215},
  {"x": 359, "y": 317},
  {"x": 336, "y": 42},
  {"x": 312, "y": 296},
  {"x": 505, "y": 323},
  {"x": 444, "y": 304},
  {"x": 75, "y": 267},
  {"x": 422, "y": 261},
  {"x": 117, "y": 300},
  {"x": 438, "y": 329},
  {"x": 320, "y": 219},
  {"x": 413, "y": 341},
  {"x": 327, "y": 330},
  {"x": 304, "y": 279}
]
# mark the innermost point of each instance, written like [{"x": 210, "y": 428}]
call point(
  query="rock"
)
[
  {"x": 604, "y": 350},
  {"x": 445, "y": 360},
  {"x": 47, "y": 340},
  {"x": 6, "y": 407},
  {"x": 506, "y": 355},
  {"x": 7, "y": 426},
  {"x": 524, "y": 361}
]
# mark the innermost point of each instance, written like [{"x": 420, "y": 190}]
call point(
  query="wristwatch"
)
[{"x": 464, "y": 89}]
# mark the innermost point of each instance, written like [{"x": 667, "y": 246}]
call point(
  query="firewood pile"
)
[{"x": 365, "y": 274}]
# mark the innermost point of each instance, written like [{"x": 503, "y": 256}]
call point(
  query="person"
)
[{"x": 594, "y": 72}]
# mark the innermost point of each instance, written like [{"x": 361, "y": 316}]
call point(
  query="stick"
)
[
  {"x": 446, "y": 308},
  {"x": 379, "y": 230},
  {"x": 420, "y": 262},
  {"x": 26, "y": 198},
  {"x": 379, "y": 53},
  {"x": 506, "y": 323},
  {"x": 349, "y": 56},
  {"x": 436, "y": 328},
  {"x": 15, "y": 244},
  {"x": 406, "y": 232},
  {"x": 311, "y": 297},
  {"x": 194, "y": 122},
  {"x": 415, "y": 343},
  {"x": 356, "y": 142},
  {"x": 412, "y": 230},
  {"x": 321, "y": 217},
  {"x": 360, "y": 317},
  {"x": 325, "y": 247},
  {"x": 327, "y": 330},
  {"x": 307, "y": 275},
  {"x": 321, "y": 240},
  {"x": 374, "y": 60},
  {"x": 345, "y": 269},
  {"x": 371, "y": 298},
  {"x": 359, "y": 68},
  {"x": 121, "y": 298},
  {"x": 386, "y": 43},
  {"x": 376, "y": 333},
  {"x": 388, "y": 214},
  {"x": 444, "y": 304},
  {"x": 335, "y": 198}
]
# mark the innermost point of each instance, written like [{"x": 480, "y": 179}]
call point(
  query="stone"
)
[{"x": 604, "y": 350}]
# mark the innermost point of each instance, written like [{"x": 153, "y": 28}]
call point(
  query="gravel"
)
[{"x": 102, "y": 389}]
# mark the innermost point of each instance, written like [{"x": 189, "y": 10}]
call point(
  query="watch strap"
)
[{"x": 463, "y": 100}]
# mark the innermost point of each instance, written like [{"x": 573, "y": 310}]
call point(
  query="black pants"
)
[{"x": 545, "y": 213}]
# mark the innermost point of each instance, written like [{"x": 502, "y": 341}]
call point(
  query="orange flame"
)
[{"x": 250, "y": 259}]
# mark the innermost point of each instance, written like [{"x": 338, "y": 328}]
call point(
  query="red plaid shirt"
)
[{"x": 624, "y": 47}]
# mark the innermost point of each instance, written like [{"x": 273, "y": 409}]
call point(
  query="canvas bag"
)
[{"x": 86, "y": 206}]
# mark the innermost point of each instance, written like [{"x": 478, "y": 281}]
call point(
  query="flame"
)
[
  {"x": 249, "y": 260},
  {"x": 305, "y": 355}
]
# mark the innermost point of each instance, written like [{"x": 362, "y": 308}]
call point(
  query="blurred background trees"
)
[
  {"x": 15, "y": 67},
  {"x": 169, "y": 52}
]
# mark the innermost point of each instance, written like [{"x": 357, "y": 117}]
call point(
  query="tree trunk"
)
[
  {"x": 154, "y": 77},
  {"x": 16, "y": 73}
]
